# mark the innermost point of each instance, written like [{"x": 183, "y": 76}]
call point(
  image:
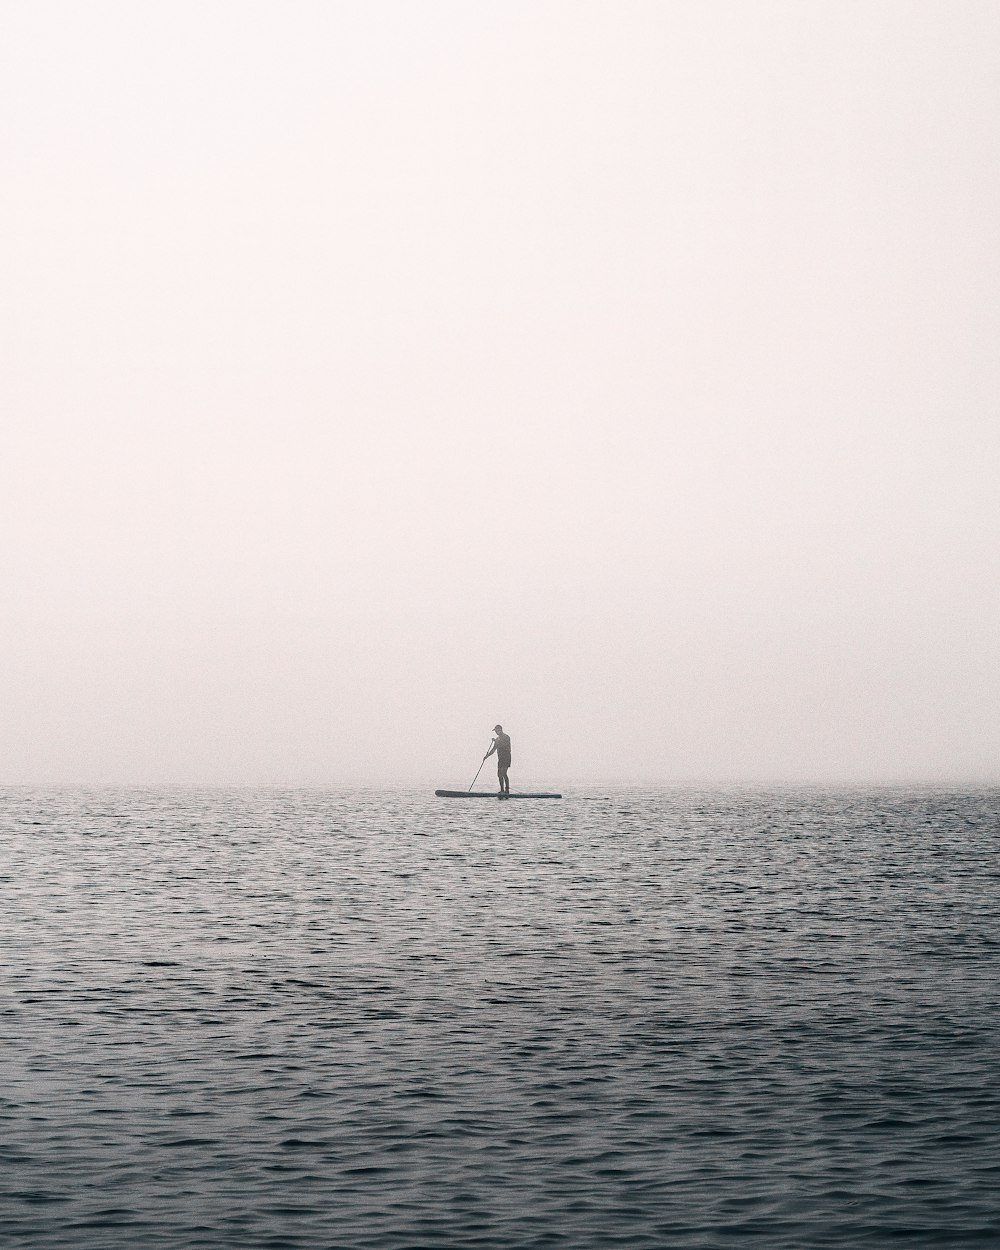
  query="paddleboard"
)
[{"x": 489, "y": 794}]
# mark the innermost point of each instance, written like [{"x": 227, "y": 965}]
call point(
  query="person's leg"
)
[{"x": 504, "y": 779}]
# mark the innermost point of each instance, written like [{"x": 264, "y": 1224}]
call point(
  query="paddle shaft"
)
[{"x": 479, "y": 769}]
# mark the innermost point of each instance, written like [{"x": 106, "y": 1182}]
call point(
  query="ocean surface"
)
[{"x": 305, "y": 1019}]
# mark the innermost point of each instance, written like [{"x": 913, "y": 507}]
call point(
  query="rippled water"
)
[{"x": 656, "y": 1018}]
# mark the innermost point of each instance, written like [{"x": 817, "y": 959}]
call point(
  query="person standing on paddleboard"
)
[{"x": 501, "y": 744}]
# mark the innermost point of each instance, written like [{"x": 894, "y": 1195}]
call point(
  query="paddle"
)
[{"x": 478, "y": 771}]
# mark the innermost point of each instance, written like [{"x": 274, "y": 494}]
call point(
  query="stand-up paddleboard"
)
[{"x": 489, "y": 794}]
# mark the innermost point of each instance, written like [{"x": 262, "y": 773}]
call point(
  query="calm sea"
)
[{"x": 306, "y": 1019}]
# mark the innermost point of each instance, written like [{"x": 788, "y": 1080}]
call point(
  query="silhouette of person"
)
[{"x": 501, "y": 744}]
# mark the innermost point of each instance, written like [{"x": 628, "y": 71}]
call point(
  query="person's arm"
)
[{"x": 493, "y": 747}]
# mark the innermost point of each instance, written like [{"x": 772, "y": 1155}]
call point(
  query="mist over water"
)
[
  {"x": 314, "y": 1018},
  {"x": 372, "y": 372}
]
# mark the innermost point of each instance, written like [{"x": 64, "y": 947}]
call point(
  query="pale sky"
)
[{"x": 624, "y": 372}]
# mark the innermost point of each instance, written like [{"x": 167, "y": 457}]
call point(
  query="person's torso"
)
[{"x": 503, "y": 745}]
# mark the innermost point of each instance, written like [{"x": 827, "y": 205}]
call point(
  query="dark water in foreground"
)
[{"x": 307, "y": 1020}]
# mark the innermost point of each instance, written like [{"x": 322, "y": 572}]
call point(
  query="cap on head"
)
[{"x": 498, "y": 729}]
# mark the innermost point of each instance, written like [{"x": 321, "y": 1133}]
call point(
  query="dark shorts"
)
[{"x": 503, "y": 761}]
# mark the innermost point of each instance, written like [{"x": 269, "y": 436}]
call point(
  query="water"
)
[{"x": 651, "y": 1018}]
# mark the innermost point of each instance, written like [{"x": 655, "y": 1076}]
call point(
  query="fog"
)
[{"x": 626, "y": 373}]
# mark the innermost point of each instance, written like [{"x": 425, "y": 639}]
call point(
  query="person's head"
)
[{"x": 498, "y": 729}]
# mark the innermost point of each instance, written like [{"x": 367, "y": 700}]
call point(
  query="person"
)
[{"x": 501, "y": 744}]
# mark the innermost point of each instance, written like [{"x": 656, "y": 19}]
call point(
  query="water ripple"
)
[{"x": 307, "y": 1020}]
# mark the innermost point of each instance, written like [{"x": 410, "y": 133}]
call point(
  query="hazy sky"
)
[{"x": 625, "y": 372}]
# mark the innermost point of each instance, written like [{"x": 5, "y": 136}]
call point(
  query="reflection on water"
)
[{"x": 306, "y": 1020}]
